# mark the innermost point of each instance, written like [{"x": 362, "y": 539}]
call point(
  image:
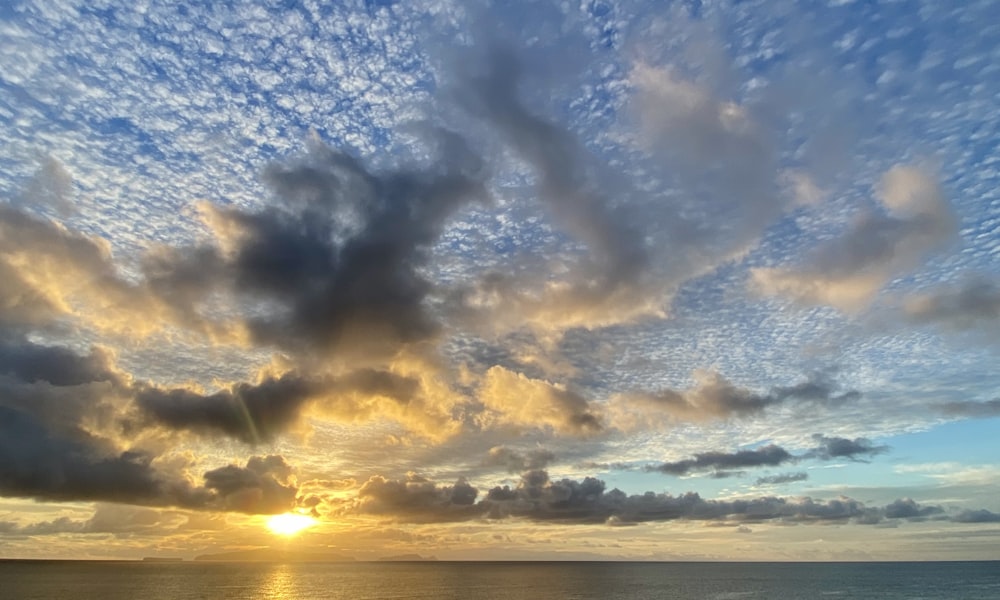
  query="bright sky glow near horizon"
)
[{"x": 696, "y": 280}]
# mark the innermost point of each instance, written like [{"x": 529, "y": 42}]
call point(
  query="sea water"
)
[{"x": 499, "y": 580}]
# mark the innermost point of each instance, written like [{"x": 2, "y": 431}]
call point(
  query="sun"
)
[{"x": 289, "y": 523}]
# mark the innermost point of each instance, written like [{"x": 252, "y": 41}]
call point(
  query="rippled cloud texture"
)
[{"x": 606, "y": 279}]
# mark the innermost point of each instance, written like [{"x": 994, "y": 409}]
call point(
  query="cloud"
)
[
  {"x": 59, "y": 411},
  {"x": 782, "y": 478},
  {"x": 906, "y": 508},
  {"x": 51, "y": 186},
  {"x": 418, "y": 499},
  {"x": 29, "y": 363},
  {"x": 514, "y": 399},
  {"x": 718, "y": 156},
  {"x": 848, "y": 271},
  {"x": 120, "y": 521},
  {"x": 518, "y": 462},
  {"x": 835, "y": 447},
  {"x": 771, "y": 456},
  {"x": 52, "y": 272},
  {"x": 538, "y": 498},
  {"x": 976, "y": 516},
  {"x": 720, "y": 464},
  {"x": 970, "y": 304},
  {"x": 249, "y": 412},
  {"x": 60, "y": 416},
  {"x": 604, "y": 285},
  {"x": 972, "y": 409},
  {"x": 713, "y": 397},
  {"x": 74, "y": 465},
  {"x": 264, "y": 485},
  {"x": 336, "y": 260},
  {"x": 258, "y": 412}
]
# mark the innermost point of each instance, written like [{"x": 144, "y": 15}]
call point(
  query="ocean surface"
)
[{"x": 499, "y": 581}]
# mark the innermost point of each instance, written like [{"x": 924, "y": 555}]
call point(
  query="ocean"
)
[{"x": 23, "y": 580}]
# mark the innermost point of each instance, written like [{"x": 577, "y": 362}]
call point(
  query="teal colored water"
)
[{"x": 500, "y": 581}]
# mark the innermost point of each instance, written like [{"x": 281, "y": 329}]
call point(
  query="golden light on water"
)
[{"x": 289, "y": 523}]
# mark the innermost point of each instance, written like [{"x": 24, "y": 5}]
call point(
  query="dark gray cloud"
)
[
  {"x": 819, "y": 387},
  {"x": 722, "y": 464},
  {"x": 417, "y": 499},
  {"x": 538, "y": 498},
  {"x": 249, "y": 412},
  {"x": 972, "y": 303},
  {"x": 55, "y": 406},
  {"x": 255, "y": 413},
  {"x": 264, "y": 485},
  {"x": 518, "y": 462},
  {"x": 341, "y": 251},
  {"x": 770, "y": 456},
  {"x": 57, "y": 386},
  {"x": 59, "y": 366},
  {"x": 906, "y": 508},
  {"x": 38, "y": 462},
  {"x": 51, "y": 401},
  {"x": 782, "y": 478},
  {"x": 976, "y": 516},
  {"x": 829, "y": 448}
]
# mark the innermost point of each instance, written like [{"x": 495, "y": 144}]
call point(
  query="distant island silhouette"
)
[
  {"x": 274, "y": 555},
  {"x": 292, "y": 556}
]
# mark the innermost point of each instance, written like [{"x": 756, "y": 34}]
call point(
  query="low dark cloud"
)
[
  {"x": 55, "y": 365},
  {"x": 829, "y": 448},
  {"x": 782, "y": 478},
  {"x": 264, "y": 485},
  {"x": 769, "y": 456},
  {"x": 906, "y": 508},
  {"x": 37, "y": 462},
  {"x": 417, "y": 499},
  {"x": 976, "y": 516},
  {"x": 58, "y": 464},
  {"x": 54, "y": 403},
  {"x": 59, "y": 414},
  {"x": 538, "y": 498}
]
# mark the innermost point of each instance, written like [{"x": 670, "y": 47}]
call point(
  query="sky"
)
[{"x": 623, "y": 280}]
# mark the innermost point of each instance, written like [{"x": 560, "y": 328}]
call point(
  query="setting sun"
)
[{"x": 289, "y": 523}]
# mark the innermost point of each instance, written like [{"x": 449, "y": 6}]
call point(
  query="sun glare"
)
[{"x": 289, "y": 523}]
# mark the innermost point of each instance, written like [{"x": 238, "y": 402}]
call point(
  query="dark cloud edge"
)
[
  {"x": 536, "y": 498},
  {"x": 771, "y": 455}
]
